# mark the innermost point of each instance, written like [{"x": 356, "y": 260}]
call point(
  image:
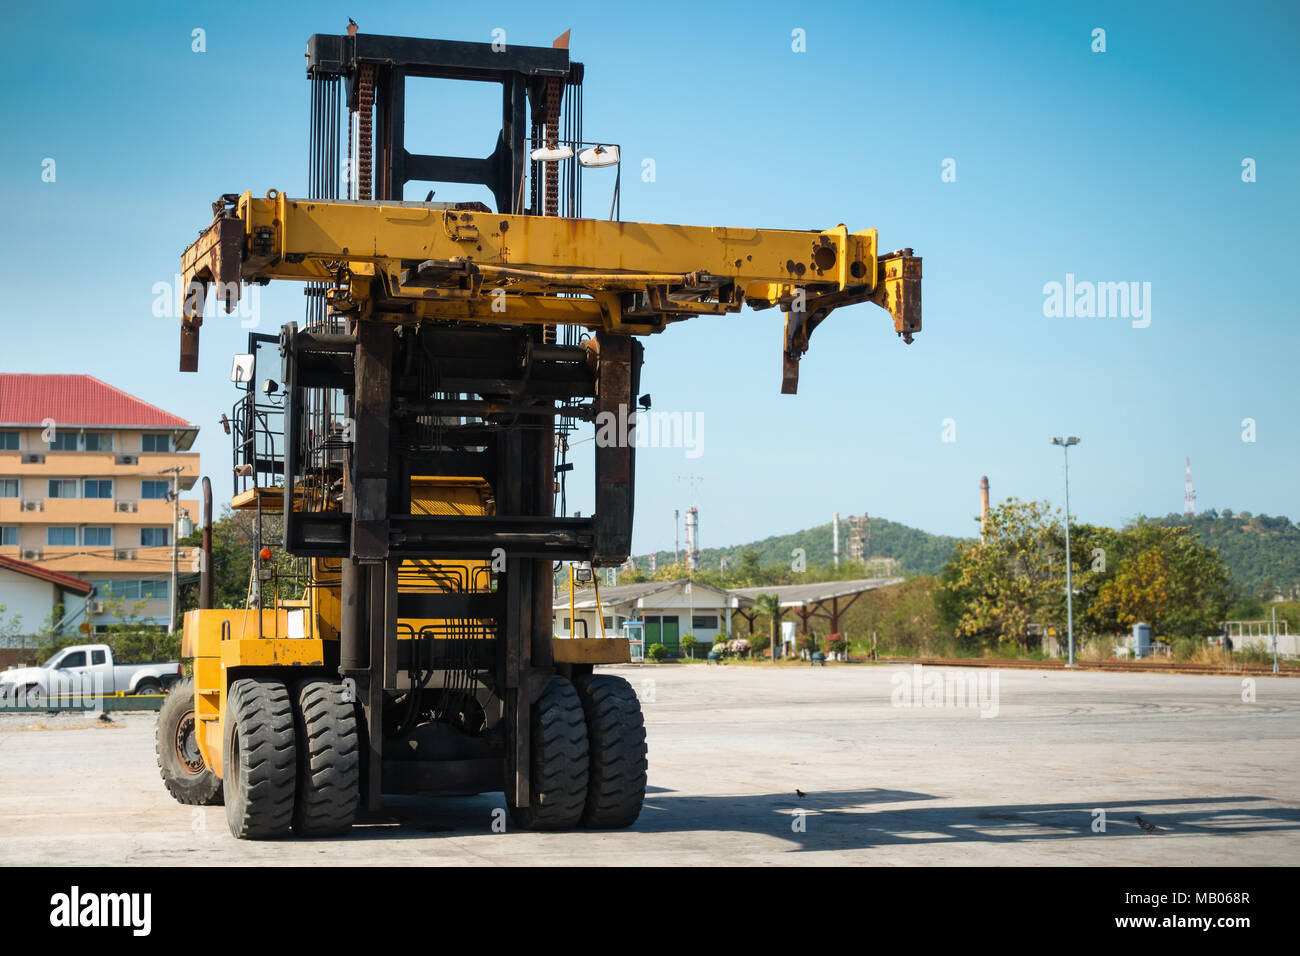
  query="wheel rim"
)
[{"x": 187, "y": 745}]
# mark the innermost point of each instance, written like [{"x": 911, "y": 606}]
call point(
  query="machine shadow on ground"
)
[{"x": 844, "y": 819}]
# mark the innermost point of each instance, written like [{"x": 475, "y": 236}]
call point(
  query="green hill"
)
[
  {"x": 1261, "y": 551},
  {"x": 917, "y": 552}
]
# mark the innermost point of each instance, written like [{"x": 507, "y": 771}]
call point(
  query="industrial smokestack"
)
[
  {"x": 984, "y": 505},
  {"x": 835, "y": 538},
  {"x": 692, "y": 538}
]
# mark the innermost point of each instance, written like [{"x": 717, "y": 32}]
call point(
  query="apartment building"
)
[{"x": 86, "y": 481}]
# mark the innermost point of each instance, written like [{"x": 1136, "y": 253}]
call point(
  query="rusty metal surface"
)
[
  {"x": 365, "y": 129},
  {"x": 405, "y": 263},
  {"x": 553, "y": 93},
  {"x": 901, "y": 281},
  {"x": 214, "y": 259},
  {"x": 618, "y": 365},
  {"x": 370, "y": 454},
  {"x": 507, "y": 269}
]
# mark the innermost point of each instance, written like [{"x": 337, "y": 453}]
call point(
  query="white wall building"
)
[
  {"x": 30, "y": 594},
  {"x": 669, "y": 609}
]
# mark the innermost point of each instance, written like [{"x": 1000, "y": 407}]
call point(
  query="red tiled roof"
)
[
  {"x": 66, "y": 581},
  {"x": 76, "y": 400}
]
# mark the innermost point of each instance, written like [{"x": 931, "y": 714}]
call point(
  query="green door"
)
[
  {"x": 670, "y": 636},
  {"x": 662, "y": 630}
]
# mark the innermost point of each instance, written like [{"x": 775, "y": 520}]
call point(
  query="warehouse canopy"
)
[
  {"x": 623, "y": 594},
  {"x": 824, "y": 599}
]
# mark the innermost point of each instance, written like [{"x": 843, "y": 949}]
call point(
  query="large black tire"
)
[
  {"x": 259, "y": 762},
  {"x": 180, "y": 762},
  {"x": 148, "y": 686},
  {"x": 558, "y": 790},
  {"x": 617, "y": 748},
  {"x": 329, "y": 766}
]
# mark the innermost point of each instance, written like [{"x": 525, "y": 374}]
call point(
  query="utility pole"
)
[
  {"x": 175, "y": 472},
  {"x": 205, "y": 555},
  {"x": 1065, "y": 444}
]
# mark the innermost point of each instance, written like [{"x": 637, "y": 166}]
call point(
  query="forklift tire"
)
[
  {"x": 616, "y": 736},
  {"x": 329, "y": 764},
  {"x": 558, "y": 790},
  {"x": 180, "y": 762},
  {"x": 259, "y": 759}
]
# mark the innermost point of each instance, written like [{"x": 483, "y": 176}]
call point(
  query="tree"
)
[
  {"x": 1138, "y": 591},
  {"x": 1165, "y": 577},
  {"x": 11, "y": 627},
  {"x": 770, "y": 604},
  {"x": 134, "y": 641},
  {"x": 670, "y": 572},
  {"x": 234, "y": 541},
  {"x": 1008, "y": 581},
  {"x": 1200, "y": 587}
]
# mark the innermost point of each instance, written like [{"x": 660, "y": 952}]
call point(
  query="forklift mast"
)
[{"x": 418, "y": 433}]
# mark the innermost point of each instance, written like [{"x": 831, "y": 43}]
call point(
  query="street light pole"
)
[
  {"x": 1275, "y": 639},
  {"x": 1065, "y": 444}
]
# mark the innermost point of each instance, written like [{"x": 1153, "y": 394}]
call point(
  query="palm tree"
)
[{"x": 770, "y": 604}]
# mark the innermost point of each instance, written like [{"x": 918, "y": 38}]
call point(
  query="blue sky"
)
[{"x": 1122, "y": 166}]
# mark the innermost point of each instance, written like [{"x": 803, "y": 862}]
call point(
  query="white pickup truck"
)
[{"x": 85, "y": 670}]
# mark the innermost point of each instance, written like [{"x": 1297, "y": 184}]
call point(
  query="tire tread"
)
[{"x": 618, "y": 764}]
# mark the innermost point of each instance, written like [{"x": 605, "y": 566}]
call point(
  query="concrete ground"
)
[{"x": 888, "y": 780}]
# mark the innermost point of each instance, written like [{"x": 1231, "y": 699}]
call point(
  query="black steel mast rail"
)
[
  {"x": 446, "y": 59},
  {"x": 382, "y": 65},
  {"x": 328, "y": 534}
]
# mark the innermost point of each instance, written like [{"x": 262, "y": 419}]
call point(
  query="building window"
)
[
  {"x": 61, "y": 537},
  {"x": 62, "y": 488},
  {"x": 154, "y": 590},
  {"x": 568, "y": 624},
  {"x": 98, "y": 488},
  {"x": 155, "y": 537},
  {"x": 9, "y": 536},
  {"x": 704, "y": 622},
  {"x": 8, "y": 441},
  {"x": 63, "y": 441},
  {"x": 97, "y": 537},
  {"x": 609, "y": 623},
  {"x": 99, "y": 441},
  {"x": 8, "y": 487},
  {"x": 132, "y": 589},
  {"x": 118, "y": 588},
  {"x": 156, "y": 490},
  {"x": 153, "y": 441}
]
